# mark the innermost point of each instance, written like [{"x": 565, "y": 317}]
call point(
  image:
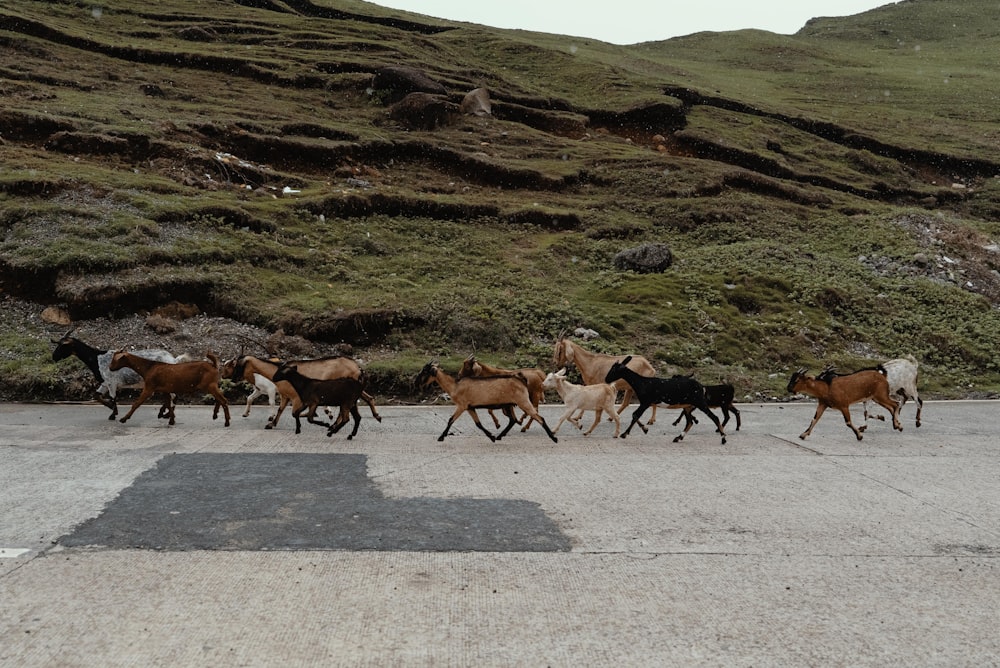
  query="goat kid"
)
[
  {"x": 468, "y": 394},
  {"x": 599, "y": 398},
  {"x": 675, "y": 392},
  {"x": 179, "y": 378},
  {"x": 535, "y": 377},
  {"x": 594, "y": 367},
  {"x": 840, "y": 392},
  {"x": 717, "y": 396},
  {"x": 111, "y": 381},
  {"x": 313, "y": 393}
]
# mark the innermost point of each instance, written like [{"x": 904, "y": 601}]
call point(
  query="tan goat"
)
[{"x": 468, "y": 394}]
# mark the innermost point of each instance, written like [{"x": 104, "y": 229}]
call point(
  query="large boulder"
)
[
  {"x": 394, "y": 82},
  {"x": 649, "y": 258}
]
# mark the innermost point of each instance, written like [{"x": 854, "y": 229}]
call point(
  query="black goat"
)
[
  {"x": 717, "y": 396},
  {"x": 676, "y": 392},
  {"x": 343, "y": 392}
]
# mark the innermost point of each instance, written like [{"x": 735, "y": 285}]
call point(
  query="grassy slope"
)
[{"x": 807, "y": 195}]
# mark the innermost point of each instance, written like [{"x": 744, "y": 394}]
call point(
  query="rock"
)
[
  {"x": 422, "y": 111},
  {"x": 53, "y": 315},
  {"x": 395, "y": 82},
  {"x": 649, "y": 258},
  {"x": 477, "y": 103}
]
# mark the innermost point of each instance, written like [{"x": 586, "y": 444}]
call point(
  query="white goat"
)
[
  {"x": 901, "y": 374},
  {"x": 599, "y": 398},
  {"x": 263, "y": 386}
]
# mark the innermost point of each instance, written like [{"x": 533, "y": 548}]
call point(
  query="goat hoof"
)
[
  {"x": 678, "y": 439},
  {"x": 723, "y": 440}
]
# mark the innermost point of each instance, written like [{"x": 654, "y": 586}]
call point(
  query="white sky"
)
[{"x": 633, "y": 21}]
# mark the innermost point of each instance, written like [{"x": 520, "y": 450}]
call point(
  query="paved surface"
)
[{"x": 197, "y": 545}]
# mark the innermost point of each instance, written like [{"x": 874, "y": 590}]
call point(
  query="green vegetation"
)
[{"x": 828, "y": 197}]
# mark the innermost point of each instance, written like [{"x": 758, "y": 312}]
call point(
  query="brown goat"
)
[
  {"x": 468, "y": 394},
  {"x": 180, "y": 378},
  {"x": 839, "y": 392},
  {"x": 535, "y": 377}
]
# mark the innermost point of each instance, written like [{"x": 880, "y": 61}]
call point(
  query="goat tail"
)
[{"x": 213, "y": 358}]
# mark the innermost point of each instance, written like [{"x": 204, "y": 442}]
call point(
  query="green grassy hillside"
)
[{"x": 828, "y": 197}]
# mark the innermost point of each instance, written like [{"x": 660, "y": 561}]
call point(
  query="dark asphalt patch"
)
[{"x": 302, "y": 502}]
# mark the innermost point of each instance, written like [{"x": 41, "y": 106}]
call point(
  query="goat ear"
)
[
  {"x": 561, "y": 372},
  {"x": 627, "y": 360}
]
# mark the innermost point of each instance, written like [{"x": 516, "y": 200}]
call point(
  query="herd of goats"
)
[{"x": 340, "y": 382}]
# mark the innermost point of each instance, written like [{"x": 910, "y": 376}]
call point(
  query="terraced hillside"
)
[{"x": 827, "y": 197}]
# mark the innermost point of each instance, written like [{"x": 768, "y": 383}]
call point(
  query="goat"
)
[
  {"x": 835, "y": 391},
  {"x": 110, "y": 381},
  {"x": 325, "y": 368},
  {"x": 313, "y": 393},
  {"x": 594, "y": 367},
  {"x": 468, "y": 394},
  {"x": 675, "y": 392},
  {"x": 535, "y": 377},
  {"x": 598, "y": 398},
  {"x": 262, "y": 386},
  {"x": 180, "y": 378},
  {"x": 717, "y": 396},
  {"x": 901, "y": 374}
]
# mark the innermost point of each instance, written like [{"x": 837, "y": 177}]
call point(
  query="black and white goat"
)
[{"x": 675, "y": 392}]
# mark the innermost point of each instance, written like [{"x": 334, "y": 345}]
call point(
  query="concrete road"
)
[{"x": 198, "y": 545}]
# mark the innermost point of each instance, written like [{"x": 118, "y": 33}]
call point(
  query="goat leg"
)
[
  {"x": 342, "y": 419},
  {"x": 109, "y": 402},
  {"x": 370, "y": 400},
  {"x": 820, "y": 409},
  {"x": 511, "y": 421},
  {"x": 597, "y": 418},
  {"x": 847, "y": 418},
  {"x": 220, "y": 400},
  {"x": 357, "y": 421},
  {"x": 475, "y": 418},
  {"x": 140, "y": 400},
  {"x": 719, "y": 428},
  {"x": 635, "y": 418},
  {"x": 737, "y": 414}
]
